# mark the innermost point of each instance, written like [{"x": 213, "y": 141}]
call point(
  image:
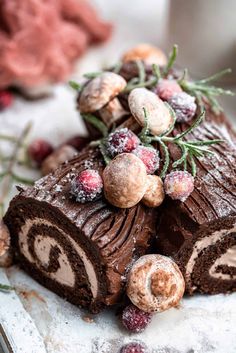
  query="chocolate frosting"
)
[{"x": 117, "y": 236}]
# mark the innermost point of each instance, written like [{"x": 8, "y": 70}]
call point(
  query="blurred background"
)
[{"x": 46, "y": 42}]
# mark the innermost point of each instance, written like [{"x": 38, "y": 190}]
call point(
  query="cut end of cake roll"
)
[
  {"x": 200, "y": 233},
  {"x": 80, "y": 251},
  {"x": 206, "y": 256}
]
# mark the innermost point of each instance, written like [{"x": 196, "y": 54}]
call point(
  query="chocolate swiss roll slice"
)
[
  {"x": 200, "y": 233},
  {"x": 80, "y": 251}
]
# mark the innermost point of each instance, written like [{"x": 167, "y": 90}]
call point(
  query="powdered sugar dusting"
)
[{"x": 197, "y": 316}]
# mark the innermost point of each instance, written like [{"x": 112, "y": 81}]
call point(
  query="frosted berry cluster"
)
[
  {"x": 134, "y": 319},
  {"x": 179, "y": 185},
  {"x": 87, "y": 186},
  {"x": 149, "y": 156},
  {"x": 6, "y": 99},
  {"x": 167, "y": 88},
  {"x": 184, "y": 106},
  {"x": 121, "y": 141},
  {"x": 134, "y": 347}
]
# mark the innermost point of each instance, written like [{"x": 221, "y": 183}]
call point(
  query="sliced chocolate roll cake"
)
[
  {"x": 80, "y": 251},
  {"x": 200, "y": 233}
]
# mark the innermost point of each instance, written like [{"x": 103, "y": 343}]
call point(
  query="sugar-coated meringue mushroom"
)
[
  {"x": 124, "y": 180},
  {"x": 159, "y": 116},
  {"x": 4, "y": 239},
  {"x": 154, "y": 195},
  {"x": 147, "y": 53},
  {"x": 155, "y": 283},
  {"x": 99, "y": 91}
]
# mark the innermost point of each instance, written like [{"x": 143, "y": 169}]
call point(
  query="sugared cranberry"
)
[
  {"x": 122, "y": 141},
  {"x": 87, "y": 186},
  {"x": 134, "y": 347},
  {"x": 134, "y": 319},
  {"x": 179, "y": 185},
  {"x": 5, "y": 99},
  {"x": 167, "y": 88},
  {"x": 38, "y": 150},
  {"x": 184, "y": 106},
  {"x": 149, "y": 156},
  {"x": 78, "y": 142}
]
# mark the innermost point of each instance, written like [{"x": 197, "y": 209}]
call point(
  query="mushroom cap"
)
[
  {"x": 112, "y": 112},
  {"x": 99, "y": 91},
  {"x": 4, "y": 238},
  {"x": 124, "y": 180},
  {"x": 154, "y": 194},
  {"x": 159, "y": 116},
  {"x": 155, "y": 283},
  {"x": 147, "y": 53}
]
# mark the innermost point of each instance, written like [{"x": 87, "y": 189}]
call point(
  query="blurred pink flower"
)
[{"x": 41, "y": 39}]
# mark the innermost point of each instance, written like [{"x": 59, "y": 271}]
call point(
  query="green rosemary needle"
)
[
  {"x": 189, "y": 149},
  {"x": 202, "y": 90},
  {"x": 5, "y": 287}
]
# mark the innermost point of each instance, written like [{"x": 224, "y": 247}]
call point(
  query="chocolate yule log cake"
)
[
  {"x": 200, "y": 233},
  {"x": 81, "y": 251},
  {"x": 149, "y": 206}
]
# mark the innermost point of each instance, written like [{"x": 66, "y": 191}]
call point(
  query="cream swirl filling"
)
[
  {"x": 204, "y": 243},
  {"x": 228, "y": 259},
  {"x": 42, "y": 246}
]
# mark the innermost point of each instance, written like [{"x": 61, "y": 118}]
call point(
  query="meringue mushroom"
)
[
  {"x": 147, "y": 53},
  {"x": 124, "y": 180},
  {"x": 59, "y": 156},
  {"x": 159, "y": 116},
  {"x": 6, "y": 260},
  {"x": 100, "y": 91},
  {"x": 4, "y": 239},
  {"x": 154, "y": 194},
  {"x": 112, "y": 112},
  {"x": 155, "y": 283}
]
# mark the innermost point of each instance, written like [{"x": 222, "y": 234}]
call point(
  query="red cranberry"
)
[
  {"x": 149, "y": 156},
  {"x": 134, "y": 347},
  {"x": 87, "y": 186},
  {"x": 179, "y": 185},
  {"x": 167, "y": 88},
  {"x": 78, "y": 142},
  {"x": 122, "y": 141},
  {"x": 38, "y": 150},
  {"x": 134, "y": 319},
  {"x": 184, "y": 106},
  {"x": 5, "y": 99}
]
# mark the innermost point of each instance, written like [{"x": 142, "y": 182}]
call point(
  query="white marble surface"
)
[{"x": 202, "y": 324}]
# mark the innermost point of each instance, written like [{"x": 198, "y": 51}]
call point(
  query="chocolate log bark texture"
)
[
  {"x": 80, "y": 251},
  {"x": 200, "y": 233}
]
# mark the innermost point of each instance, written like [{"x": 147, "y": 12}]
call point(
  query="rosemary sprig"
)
[
  {"x": 189, "y": 149},
  {"x": 202, "y": 90},
  {"x": 117, "y": 67},
  {"x": 139, "y": 82},
  {"x": 91, "y": 75},
  {"x": 101, "y": 143},
  {"x": 171, "y": 60},
  {"x": 6, "y": 288},
  {"x": 97, "y": 123},
  {"x": 8, "y": 176},
  {"x": 149, "y": 83},
  {"x": 102, "y": 147},
  {"x": 156, "y": 72},
  {"x": 76, "y": 86}
]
